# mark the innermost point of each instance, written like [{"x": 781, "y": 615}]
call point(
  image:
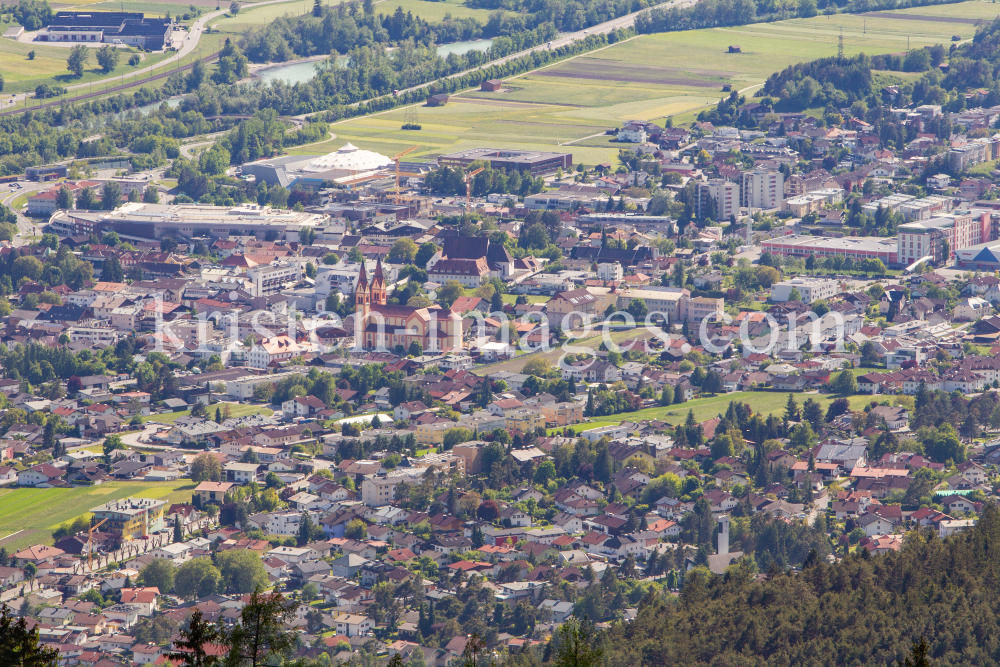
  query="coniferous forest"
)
[{"x": 865, "y": 610}]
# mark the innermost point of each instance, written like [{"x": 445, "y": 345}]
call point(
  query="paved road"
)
[
  {"x": 133, "y": 439},
  {"x": 25, "y": 226}
]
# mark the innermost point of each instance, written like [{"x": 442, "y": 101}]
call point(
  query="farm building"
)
[
  {"x": 492, "y": 86},
  {"x": 734, "y": 49},
  {"x": 437, "y": 100}
]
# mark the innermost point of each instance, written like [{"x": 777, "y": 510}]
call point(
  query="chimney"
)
[{"x": 724, "y": 534}]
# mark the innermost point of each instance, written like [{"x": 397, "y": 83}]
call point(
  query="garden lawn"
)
[
  {"x": 532, "y": 298},
  {"x": 37, "y": 512},
  {"x": 235, "y": 410}
]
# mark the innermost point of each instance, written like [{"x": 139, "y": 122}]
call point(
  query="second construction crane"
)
[
  {"x": 395, "y": 159},
  {"x": 468, "y": 185}
]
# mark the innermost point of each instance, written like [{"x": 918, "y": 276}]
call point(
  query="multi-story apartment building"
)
[
  {"x": 809, "y": 289},
  {"x": 701, "y": 308},
  {"x": 965, "y": 157},
  {"x": 562, "y": 414},
  {"x": 762, "y": 189},
  {"x": 926, "y": 238},
  {"x": 267, "y": 279},
  {"x": 131, "y": 517},
  {"x": 665, "y": 300},
  {"x": 381, "y": 490},
  {"x": 726, "y": 196}
]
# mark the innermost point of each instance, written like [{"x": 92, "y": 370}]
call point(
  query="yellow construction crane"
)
[
  {"x": 395, "y": 159},
  {"x": 468, "y": 185},
  {"x": 90, "y": 545}
]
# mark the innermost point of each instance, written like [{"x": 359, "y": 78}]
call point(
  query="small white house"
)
[
  {"x": 497, "y": 351},
  {"x": 633, "y": 133},
  {"x": 352, "y": 625},
  {"x": 938, "y": 181},
  {"x": 948, "y": 528},
  {"x": 241, "y": 473},
  {"x": 177, "y": 552}
]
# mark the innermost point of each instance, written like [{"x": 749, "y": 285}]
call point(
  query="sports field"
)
[
  {"x": 28, "y": 516},
  {"x": 650, "y": 77}
]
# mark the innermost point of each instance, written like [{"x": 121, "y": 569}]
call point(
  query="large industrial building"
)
[
  {"x": 346, "y": 165},
  {"x": 131, "y": 517},
  {"x": 981, "y": 257},
  {"x": 536, "y": 163},
  {"x": 130, "y": 28},
  {"x": 855, "y": 247},
  {"x": 154, "y": 221}
]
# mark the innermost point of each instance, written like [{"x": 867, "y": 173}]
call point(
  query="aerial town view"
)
[{"x": 499, "y": 333}]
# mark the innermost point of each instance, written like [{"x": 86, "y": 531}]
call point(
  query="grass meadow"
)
[
  {"x": 649, "y": 78},
  {"x": 763, "y": 402},
  {"x": 37, "y": 512},
  {"x": 235, "y": 410}
]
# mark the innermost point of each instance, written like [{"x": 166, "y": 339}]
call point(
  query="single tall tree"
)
[
  {"x": 193, "y": 645},
  {"x": 259, "y": 636},
  {"x": 78, "y": 57},
  {"x": 19, "y": 646},
  {"x": 112, "y": 271}
]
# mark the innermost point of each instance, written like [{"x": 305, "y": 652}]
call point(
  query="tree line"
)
[{"x": 718, "y": 13}]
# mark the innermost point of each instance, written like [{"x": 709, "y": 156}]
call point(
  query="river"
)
[{"x": 301, "y": 72}]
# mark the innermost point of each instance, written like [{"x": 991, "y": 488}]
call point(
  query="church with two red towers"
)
[{"x": 378, "y": 325}]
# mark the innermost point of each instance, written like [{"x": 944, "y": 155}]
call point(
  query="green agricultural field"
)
[
  {"x": 37, "y": 512},
  {"x": 569, "y": 106},
  {"x": 968, "y": 10},
  {"x": 434, "y": 11},
  {"x": 764, "y": 402},
  {"x": 235, "y": 410},
  {"x": 252, "y": 18}
]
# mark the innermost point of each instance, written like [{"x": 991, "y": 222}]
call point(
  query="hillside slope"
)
[{"x": 863, "y": 611}]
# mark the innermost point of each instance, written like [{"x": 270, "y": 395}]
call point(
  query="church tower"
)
[
  {"x": 362, "y": 296},
  {"x": 378, "y": 284}
]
